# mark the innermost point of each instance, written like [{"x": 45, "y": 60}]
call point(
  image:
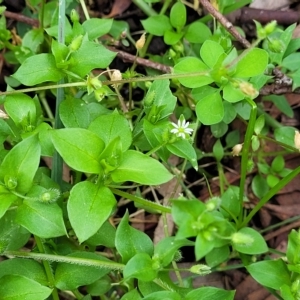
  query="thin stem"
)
[
  {"x": 245, "y": 153},
  {"x": 282, "y": 183},
  {"x": 84, "y": 8},
  {"x": 48, "y": 269},
  {"x": 42, "y": 14},
  {"x": 145, "y": 8},
  {"x": 144, "y": 202},
  {"x": 67, "y": 259}
]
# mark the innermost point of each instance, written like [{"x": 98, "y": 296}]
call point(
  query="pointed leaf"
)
[
  {"x": 21, "y": 164},
  {"x": 14, "y": 287},
  {"x": 41, "y": 219},
  {"x": 90, "y": 56},
  {"x": 210, "y": 52},
  {"x": 89, "y": 206},
  {"x": 108, "y": 127},
  {"x": 208, "y": 293},
  {"x": 252, "y": 63},
  {"x": 96, "y": 28},
  {"x": 6, "y": 199},
  {"x": 80, "y": 148},
  {"x": 37, "y": 69},
  {"x": 140, "y": 168},
  {"x": 271, "y": 273},
  {"x": 210, "y": 109},
  {"x": 130, "y": 241}
]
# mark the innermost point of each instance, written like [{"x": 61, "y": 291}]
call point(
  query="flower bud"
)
[
  {"x": 248, "y": 89},
  {"x": 236, "y": 150},
  {"x": 270, "y": 27},
  {"x": 74, "y": 16},
  {"x": 10, "y": 182},
  {"x": 76, "y": 43},
  {"x": 297, "y": 140},
  {"x": 276, "y": 46},
  {"x": 200, "y": 269},
  {"x": 49, "y": 195},
  {"x": 213, "y": 203},
  {"x": 116, "y": 75},
  {"x": 141, "y": 42}
]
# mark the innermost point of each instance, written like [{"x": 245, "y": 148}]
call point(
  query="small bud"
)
[
  {"x": 49, "y": 195},
  {"x": 10, "y": 182},
  {"x": 141, "y": 42},
  {"x": 276, "y": 45},
  {"x": 270, "y": 27},
  {"x": 116, "y": 75},
  {"x": 241, "y": 238},
  {"x": 236, "y": 150},
  {"x": 76, "y": 43},
  {"x": 248, "y": 89},
  {"x": 200, "y": 269},
  {"x": 213, "y": 203},
  {"x": 74, "y": 16},
  {"x": 297, "y": 140}
]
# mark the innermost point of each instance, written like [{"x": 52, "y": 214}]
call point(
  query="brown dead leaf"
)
[{"x": 118, "y": 8}]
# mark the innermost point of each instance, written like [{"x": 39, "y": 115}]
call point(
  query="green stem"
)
[
  {"x": 48, "y": 269},
  {"x": 282, "y": 183},
  {"x": 144, "y": 7},
  {"x": 84, "y": 9},
  {"x": 147, "y": 203},
  {"x": 67, "y": 259},
  {"x": 278, "y": 143},
  {"x": 280, "y": 224},
  {"x": 245, "y": 154},
  {"x": 42, "y": 14},
  {"x": 155, "y": 149}
]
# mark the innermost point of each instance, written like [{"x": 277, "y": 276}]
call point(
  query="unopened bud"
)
[
  {"x": 74, "y": 16},
  {"x": 141, "y": 42},
  {"x": 297, "y": 140},
  {"x": 270, "y": 27},
  {"x": 200, "y": 269},
  {"x": 76, "y": 43},
  {"x": 213, "y": 203},
  {"x": 248, "y": 89},
  {"x": 236, "y": 150},
  {"x": 116, "y": 75}
]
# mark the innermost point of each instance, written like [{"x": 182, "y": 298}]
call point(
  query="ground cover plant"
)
[{"x": 90, "y": 144}]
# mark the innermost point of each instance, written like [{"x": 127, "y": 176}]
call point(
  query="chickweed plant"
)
[{"x": 76, "y": 145}]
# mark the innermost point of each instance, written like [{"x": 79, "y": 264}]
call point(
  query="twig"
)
[
  {"x": 21, "y": 18},
  {"x": 227, "y": 25}
]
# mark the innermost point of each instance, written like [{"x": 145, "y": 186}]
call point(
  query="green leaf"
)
[
  {"x": 259, "y": 124},
  {"x": 96, "y": 28},
  {"x": 208, "y": 293},
  {"x": 33, "y": 39},
  {"x": 219, "y": 129},
  {"x": 157, "y": 25},
  {"x": 256, "y": 245},
  {"x": 132, "y": 295},
  {"x": 136, "y": 167},
  {"x": 203, "y": 246},
  {"x": 178, "y": 15},
  {"x": 291, "y": 62},
  {"x": 184, "y": 149},
  {"x": 89, "y": 206},
  {"x": 80, "y": 148},
  {"x": 21, "y": 109},
  {"x": 14, "y": 287},
  {"x": 171, "y": 37},
  {"x": 218, "y": 150},
  {"x": 197, "y": 32},
  {"x": 130, "y": 241},
  {"x": 217, "y": 255},
  {"x": 21, "y": 163},
  {"x": 71, "y": 276},
  {"x": 278, "y": 164},
  {"x": 210, "y": 109},
  {"x": 230, "y": 202},
  {"x": 17, "y": 235},
  {"x": 37, "y": 69},
  {"x": 259, "y": 186},
  {"x": 6, "y": 199},
  {"x": 293, "y": 248},
  {"x": 104, "y": 236},
  {"x": 24, "y": 267},
  {"x": 286, "y": 135},
  {"x": 210, "y": 52},
  {"x": 190, "y": 65},
  {"x": 271, "y": 273},
  {"x": 74, "y": 113},
  {"x": 108, "y": 127},
  {"x": 41, "y": 219},
  {"x": 166, "y": 295},
  {"x": 140, "y": 267},
  {"x": 253, "y": 63},
  {"x": 232, "y": 94},
  {"x": 90, "y": 56},
  {"x": 166, "y": 249}
]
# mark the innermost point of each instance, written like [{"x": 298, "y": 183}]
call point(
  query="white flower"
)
[{"x": 181, "y": 129}]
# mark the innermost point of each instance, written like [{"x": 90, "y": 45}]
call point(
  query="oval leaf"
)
[
  {"x": 210, "y": 52},
  {"x": 89, "y": 206},
  {"x": 252, "y": 63},
  {"x": 37, "y": 69},
  {"x": 140, "y": 168},
  {"x": 80, "y": 148},
  {"x": 21, "y": 163},
  {"x": 44, "y": 220},
  {"x": 210, "y": 109}
]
